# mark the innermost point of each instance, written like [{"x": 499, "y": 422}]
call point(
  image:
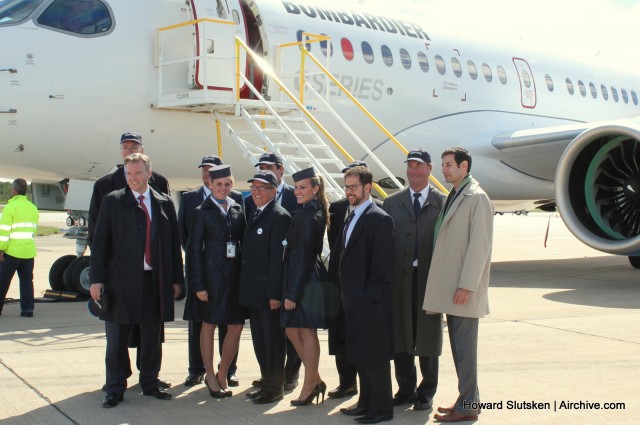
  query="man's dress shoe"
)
[
  {"x": 158, "y": 393},
  {"x": 112, "y": 400},
  {"x": 340, "y": 392},
  {"x": 193, "y": 379},
  {"x": 400, "y": 399},
  {"x": 374, "y": 419},
  {"x": 164, "y": 384},
  {"x": 267, "y": 397},
  {"x": 446, "y": 409},
  {"x": 455, "y": 417},
  {"x": 291, "y": 385},
  {"x": 257, "y": 383},
  {"x": 232, "y": 380},
  {"x": 423, "y": 403},
  {"x": 354, "y": 411},
  {"x": 254, "y": 394}
]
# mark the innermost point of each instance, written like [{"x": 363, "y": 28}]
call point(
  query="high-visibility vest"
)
[{"x": 18, "y": 228}]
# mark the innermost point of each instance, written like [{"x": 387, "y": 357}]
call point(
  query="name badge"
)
[{"x": 231, "y": 249}]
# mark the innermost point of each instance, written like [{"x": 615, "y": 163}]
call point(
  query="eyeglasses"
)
[
  {"x": 259, "y": 188},
  {"x": 351, "y": 187},
  {"x": 133, "y": 148}
]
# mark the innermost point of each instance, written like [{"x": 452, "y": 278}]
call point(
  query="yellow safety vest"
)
[{"x": 18, "y": 228}]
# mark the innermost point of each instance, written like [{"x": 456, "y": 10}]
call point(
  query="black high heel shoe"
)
[
  {"x": 322, "y": 388},
  {"x": 227, "y": 392},
  {"x": 215, "y": 394},
  {"x": 304, "y": 402}
]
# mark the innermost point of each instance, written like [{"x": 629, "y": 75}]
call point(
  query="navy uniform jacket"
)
[{"x": 261, "y": 268}]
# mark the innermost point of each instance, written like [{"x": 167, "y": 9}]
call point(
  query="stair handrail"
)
[
  {"x": 305, "y": 52},
  {"x": 268, "y": 70}
]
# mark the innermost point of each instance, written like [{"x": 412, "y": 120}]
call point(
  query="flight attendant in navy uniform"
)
[
  {"x": 304, "y": 310},
  {"x": 214, "y": 251}
]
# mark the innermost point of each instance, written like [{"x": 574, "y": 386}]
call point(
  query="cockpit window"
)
[
  {"x": 77, "y": 16},
  {"x": 12, "y": 11}
]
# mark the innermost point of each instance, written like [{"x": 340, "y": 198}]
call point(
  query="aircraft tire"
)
[
  {"x": 57, "y": 270},
  {"x": 634, "y": 260},
  {"x": 76, "y": 277}
]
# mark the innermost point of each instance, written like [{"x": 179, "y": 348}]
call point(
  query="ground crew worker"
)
[{"x": 18, "y": 228}]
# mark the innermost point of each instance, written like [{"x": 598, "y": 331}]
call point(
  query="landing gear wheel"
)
[
  {"x": 76, "y": 277},
  {"x": 57, "y": 270},
  {"x": 635, "y": 261}
]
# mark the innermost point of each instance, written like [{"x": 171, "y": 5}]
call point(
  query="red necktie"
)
[{"x": 147, "y": 247}]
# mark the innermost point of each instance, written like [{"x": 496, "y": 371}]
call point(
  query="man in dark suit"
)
[
  {"x": 415, "y": 210},
  {"x": 365, "y": 269},
  {"x": 271, "y": 161},
  {"x": 189, "y": 201},
  {"x": 129, "y": 143},
  {"x": 261, "y": 284},
  {"x": 347, "y": 373},
  {"x": 136, "y": 261}
]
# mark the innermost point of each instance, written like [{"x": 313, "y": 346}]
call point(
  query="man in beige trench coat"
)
[
  {"x": 415, "y": 210},
  {"x": 459, "y": 286}
]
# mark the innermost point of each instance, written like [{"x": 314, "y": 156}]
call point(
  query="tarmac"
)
[{"x": 561, "y": 346}]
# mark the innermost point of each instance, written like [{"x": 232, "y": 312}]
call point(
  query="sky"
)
[{"x": 596, "y": 30}]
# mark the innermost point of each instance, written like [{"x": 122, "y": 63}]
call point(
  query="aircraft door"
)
[
  {"x": 218, "y": 73},
  {"x": 528, "y": 98}
]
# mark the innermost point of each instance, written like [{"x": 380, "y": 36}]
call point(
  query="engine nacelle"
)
[{"x": 597, "y": 187}]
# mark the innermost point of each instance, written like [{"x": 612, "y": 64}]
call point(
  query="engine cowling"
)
[{"x": 597, "y": 187}]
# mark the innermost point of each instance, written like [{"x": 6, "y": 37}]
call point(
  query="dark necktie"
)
[
  {"x": 416, "y": 210},
  {"x": 345, "y": 229},
  {"x": 147, "y": 247},
  {"x": 256, "y": 213}
]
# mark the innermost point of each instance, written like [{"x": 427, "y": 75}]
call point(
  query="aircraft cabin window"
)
[
  {"x": 581, "y": 87},
  {"x": 605, "y": 93},
  {"x": 592, "y": 89},
  {"x": 367, "y": 52},
  {"x": 549, "y": 81},
  {"x": 12, "y": 11},
  {"x": 236, "y": 16},
  {"x": 624, "y": 95},
  {"x": 486, "y": 70},
  {"x": 423, "y": 62},
  {"x": 614, "y": 94},
  {"x": 569, "y": 86},
  {"x": 347, "y": 49},
  {"x": 634, "y": 97},
  {"x": 502, "y": 75},
  {"x": 324, "y": 45},
  {"x": 440, "y": 65},
  {"x": 526, "y": 79},
  {"x": 387, "y": 57},
  {"x": 457, "y": 68},
  {"x": 473, "y": 71},
  {"x": 77, "y": 16},
  {"x": 405, "y": 58},
  {"x": 299, "y": 37}
]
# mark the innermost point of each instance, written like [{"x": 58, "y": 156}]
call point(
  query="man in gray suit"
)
[
  {"x": 415, "y": 210},
  {"x": 463, "y": 240}
]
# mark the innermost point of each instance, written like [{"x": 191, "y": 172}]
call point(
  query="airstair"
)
[{"x": 250, "y": 117}]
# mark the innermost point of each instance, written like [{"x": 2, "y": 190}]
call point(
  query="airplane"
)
[{"x": 542, "y": 130}]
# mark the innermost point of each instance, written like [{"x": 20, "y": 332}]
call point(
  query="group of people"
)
[{"x": 259, "y": 258}]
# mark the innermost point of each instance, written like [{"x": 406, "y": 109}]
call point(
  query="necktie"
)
[
  {"x": 147, "y": 247},
  {"x": 345, "y": 229},
  {"x": 416, "y": 210},
  {"x": 256, "y": 213}
]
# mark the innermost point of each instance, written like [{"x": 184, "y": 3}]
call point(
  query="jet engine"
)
[{"x": 597, "y": 188}]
